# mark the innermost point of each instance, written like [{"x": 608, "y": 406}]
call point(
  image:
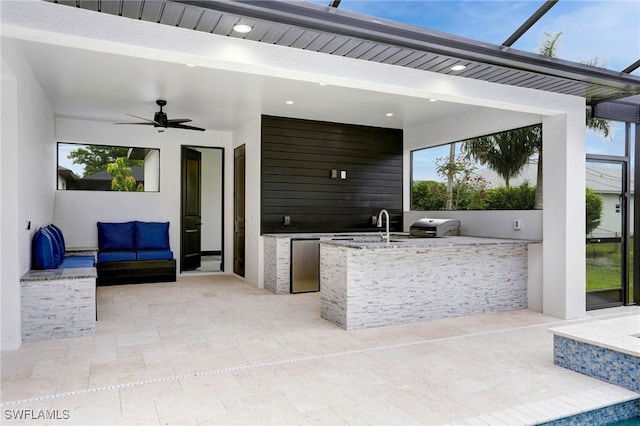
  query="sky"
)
[{"x": 607, "y": 30}]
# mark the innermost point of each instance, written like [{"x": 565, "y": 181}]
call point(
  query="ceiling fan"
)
[{"x": 161, "y": 122}]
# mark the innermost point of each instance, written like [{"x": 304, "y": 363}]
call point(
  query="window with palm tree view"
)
[{"x": 494, "y": 172}]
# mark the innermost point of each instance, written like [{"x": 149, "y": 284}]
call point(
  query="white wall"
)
[
  {"x": 152, "y": 171},
  {"x": 211, "y": 199},
  {"x": 611, "y": 220},
  {"x": 563, "y": 153},
  {"x": 77, "y": 212},
  {"x": 487, "y": 223},
  {"x": 28, "y": 178}
]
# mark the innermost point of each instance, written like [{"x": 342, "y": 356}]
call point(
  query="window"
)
[
  {"x": 107, "y": 168},
  {"x": 493, "y": 172}
]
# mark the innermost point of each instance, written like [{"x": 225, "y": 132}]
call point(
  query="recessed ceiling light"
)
[
  {"x": 433, "y": 100},
  {"x": 242, "y": 28},
  {"x": 458, "y": 67},
  {"x": 289, "y": 102},
  {"x": 190, "y": 65},
  {"x": 322, "y": 83},
  {"x": 389, "y": 114}
]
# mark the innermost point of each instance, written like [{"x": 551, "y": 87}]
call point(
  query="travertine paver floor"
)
[{"x": 211, "y": 349}]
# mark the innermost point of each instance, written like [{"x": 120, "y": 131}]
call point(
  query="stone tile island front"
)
[{"x": 371, "y": 284}]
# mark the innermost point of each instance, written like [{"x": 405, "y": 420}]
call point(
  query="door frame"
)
[
  {"x": 222, "y": 196},
  {"x": 625, "y": 211}
]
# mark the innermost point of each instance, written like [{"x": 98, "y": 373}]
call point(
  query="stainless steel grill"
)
[{"x": 435, "y": 228}]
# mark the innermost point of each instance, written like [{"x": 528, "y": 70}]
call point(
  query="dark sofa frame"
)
[{"x": 136, "y": 272}]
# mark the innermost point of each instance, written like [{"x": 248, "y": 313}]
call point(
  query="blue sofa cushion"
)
[
  {"x": 77, "y": 262},
  {"x": 58, "y": 251},
  {"x": 116, "y": 256},
  {"x": 115, "y": 236},
  {"x": 57, "y": 232},
  {"x": 152, "y": 236},
  {"x": 42, "y": 251},
  {"x": 155, "y": 255}
]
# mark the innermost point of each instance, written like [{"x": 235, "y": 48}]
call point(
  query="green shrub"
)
[
  {"x": 514, "y": 198},
  {"x": 593, "y": 202},
  {"x": 428, "y": 195}
]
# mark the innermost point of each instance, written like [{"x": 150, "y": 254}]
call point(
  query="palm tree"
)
[{"x": 505, "y": 153}]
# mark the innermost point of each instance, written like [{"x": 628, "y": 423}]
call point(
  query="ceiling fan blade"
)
[
  {"x": 145, "y": 119},
  {"x": 184, "y": 126},
  {"x": 178, "y": 120},
  {"x": 144, "y": 124}
]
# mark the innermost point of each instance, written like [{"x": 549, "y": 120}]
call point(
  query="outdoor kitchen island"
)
[{"x": 372, "y": 284}]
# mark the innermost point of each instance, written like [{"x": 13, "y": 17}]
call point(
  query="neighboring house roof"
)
[
  {"x": 66, "y": 174},
  {"x": 605, "y": 180},
  {"x": 136, "y": 171},
  {"x": 528, "y": 174},
  {"x": 601, "y": 179},
  {"x": 101, "y": 181},
  {"x": 324, "y": 29}
]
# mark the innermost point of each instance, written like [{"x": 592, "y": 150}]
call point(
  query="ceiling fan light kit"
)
[{"x": 161, "y": 122}]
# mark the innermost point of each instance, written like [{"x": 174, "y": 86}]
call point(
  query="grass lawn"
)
[{"x": 603, "y": 265}]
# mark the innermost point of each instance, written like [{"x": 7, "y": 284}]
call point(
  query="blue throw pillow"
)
[
  {"x": 152, "y": 236},
  {"x": 58, "y": 250},
  {"x": 115, "y": 236},
  {"x": 42, "y": 251},
  {"x": 60, "y": 235}
]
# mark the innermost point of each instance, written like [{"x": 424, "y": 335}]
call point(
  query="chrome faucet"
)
[{"x": 379, "y": 224}]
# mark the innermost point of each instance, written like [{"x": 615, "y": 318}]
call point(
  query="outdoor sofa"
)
[{"x": 134, "y": 252}]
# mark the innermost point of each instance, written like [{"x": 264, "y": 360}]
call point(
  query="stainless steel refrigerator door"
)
[{"x": 305, "y": 268}]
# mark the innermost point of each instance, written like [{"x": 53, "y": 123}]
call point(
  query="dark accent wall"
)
[{"x": 297, "y": 159}]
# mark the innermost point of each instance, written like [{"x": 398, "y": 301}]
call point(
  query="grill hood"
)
[{"x": 435, "y": 227}]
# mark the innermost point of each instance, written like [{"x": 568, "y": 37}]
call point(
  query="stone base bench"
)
[{"x": 58, "y": 303}]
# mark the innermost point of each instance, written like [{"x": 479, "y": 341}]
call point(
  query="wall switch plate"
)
[
  {"x": 334, "y": 174},
  {"x": 374, "y": 220},
  {"x": 343, "y": 174},
  {"x": 516, "y": 224},
  {"x": 286, "y": 220},
  {"x": 27, "y": 225}
]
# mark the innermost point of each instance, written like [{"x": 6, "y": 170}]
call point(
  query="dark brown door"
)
[
  {"x": 191, "y": 209},
  {"x": 238, "y": 210}
]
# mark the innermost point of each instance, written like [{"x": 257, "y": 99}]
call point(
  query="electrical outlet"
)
[
  {"x": 286, "y": 220},
  {"x": 516, "y": 224}
]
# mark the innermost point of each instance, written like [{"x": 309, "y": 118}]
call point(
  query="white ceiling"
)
[{"x": 85, "y": 84}]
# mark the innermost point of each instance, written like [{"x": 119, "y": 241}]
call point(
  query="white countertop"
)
[
  {"x": 59, "y": 274},
  {"x": 403, "y": 242},
  {"x": 399, "y": 240}
]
